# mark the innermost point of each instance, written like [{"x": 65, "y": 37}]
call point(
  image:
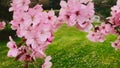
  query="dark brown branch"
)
[
  {"x": 22, "y": 42},
  {"x": 26, "y": 65}
]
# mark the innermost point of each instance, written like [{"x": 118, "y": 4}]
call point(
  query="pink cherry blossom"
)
[
  {"x": 96, "y": 37},
  {"x": 117, "y": 19},
  {"x": 118, "y": 2},
  {"x": 47, "y": 63},
  {"x": 19, "y": 5},
  {"x": 106, "y": 29},
  {"x": 11, "y": 44},
  {"x": 24, "y": 54},
  {"x": 75, "y": 12},
  {"x": 35, "y": 26},
  {"x": 38, "y": 53},
  {"x": 114, "y": 19},
  {"x": 116, "y": 44},
  {"x": 13, "y": 52},
  {"x": 85, "y": 26}
]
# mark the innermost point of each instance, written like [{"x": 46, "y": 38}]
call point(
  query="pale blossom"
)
[
  {"x": 13, "y": 51},
  {"x": 106, "y": 29},
  {"x": 85, "y": 26},
  {"x": 75, "y": 12},
  {"x": 100, "y": 32},
  {"x": 116, "y": 44},
  {"x": 47, "y": 63},
  {"x": 115, "y": 15},
  {"x": 35, "y": 26},
  {"x": 96, "y": 37},
  {"x": 19, "y": 5}
]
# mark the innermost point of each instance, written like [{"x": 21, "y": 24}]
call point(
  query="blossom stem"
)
[
  {"x": 26, "y": 65},
  {"x": 22, "y": 42}
]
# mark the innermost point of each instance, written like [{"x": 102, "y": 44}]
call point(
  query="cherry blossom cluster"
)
[
  {"x": 116, "y": 44},
  {"x": 35, "y": 27},
  {"x": 99, "y": 33},
  {"x": 77, "y": 13},
  {"x": 115, "y": 21},
  {"x": 112, "y": 26}
]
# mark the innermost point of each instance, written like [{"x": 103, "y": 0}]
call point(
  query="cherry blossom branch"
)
[{"x": 37, "y": 26}]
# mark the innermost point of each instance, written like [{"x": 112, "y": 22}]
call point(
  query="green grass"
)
[{"x": 71, "y": 49}]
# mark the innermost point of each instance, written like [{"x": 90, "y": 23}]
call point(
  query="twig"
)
[{"x": 26, "y": 65}]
